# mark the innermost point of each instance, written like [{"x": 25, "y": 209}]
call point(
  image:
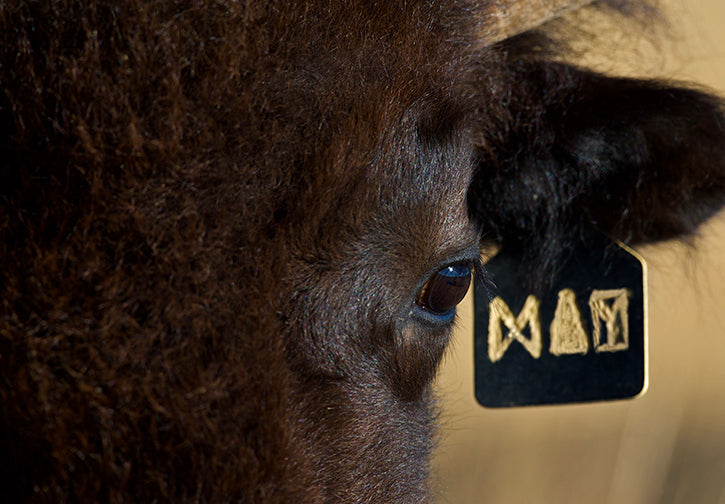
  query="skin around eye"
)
[{"x": 442, "y": 293}]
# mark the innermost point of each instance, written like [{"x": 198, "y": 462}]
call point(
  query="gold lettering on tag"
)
[
  {"x": 499, "y": 313},
  {"x": 568, "y": 335},
  {"x": 610, "y": 308}
]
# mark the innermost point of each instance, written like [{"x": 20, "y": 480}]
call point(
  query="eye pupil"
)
[{"x": 445, "y": 289}]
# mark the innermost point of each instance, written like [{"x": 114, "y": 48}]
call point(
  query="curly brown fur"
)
[{"x": 215, "y": 218}]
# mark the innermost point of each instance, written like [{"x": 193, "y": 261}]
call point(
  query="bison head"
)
[{"x": 233, "y": 234}]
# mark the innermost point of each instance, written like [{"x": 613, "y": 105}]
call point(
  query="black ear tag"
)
[{"x": 583, "y": 340}]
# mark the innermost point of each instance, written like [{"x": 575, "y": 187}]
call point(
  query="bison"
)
[{"x": 224, "y": 227}]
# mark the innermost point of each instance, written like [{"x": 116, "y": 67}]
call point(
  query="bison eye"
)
[{"x": 445, "y": 290}]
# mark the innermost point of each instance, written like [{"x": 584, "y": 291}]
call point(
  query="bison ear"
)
[{"x": 639, "y": 160}]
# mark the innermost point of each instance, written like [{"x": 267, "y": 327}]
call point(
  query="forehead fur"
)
[{"x": 366, "y": 115}]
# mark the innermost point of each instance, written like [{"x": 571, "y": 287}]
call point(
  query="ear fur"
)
[{"x": 637, "y": 159}]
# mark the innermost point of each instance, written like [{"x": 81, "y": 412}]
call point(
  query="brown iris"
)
[{"x": 445, "y": 289}]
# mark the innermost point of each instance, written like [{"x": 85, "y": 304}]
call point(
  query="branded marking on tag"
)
[
  {"x": 500, "y": 314},
  {"x": 610, "y": 308},
  {"x": 568, "y": 336}
]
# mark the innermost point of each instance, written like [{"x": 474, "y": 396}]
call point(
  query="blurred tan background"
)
[{"x": 665, "y": 447}]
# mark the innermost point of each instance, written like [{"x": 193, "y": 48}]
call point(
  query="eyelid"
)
[{"x": 470, "y": 256}]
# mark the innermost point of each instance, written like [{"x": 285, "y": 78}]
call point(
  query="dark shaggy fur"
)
[{"x": 216, "y": 216}]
